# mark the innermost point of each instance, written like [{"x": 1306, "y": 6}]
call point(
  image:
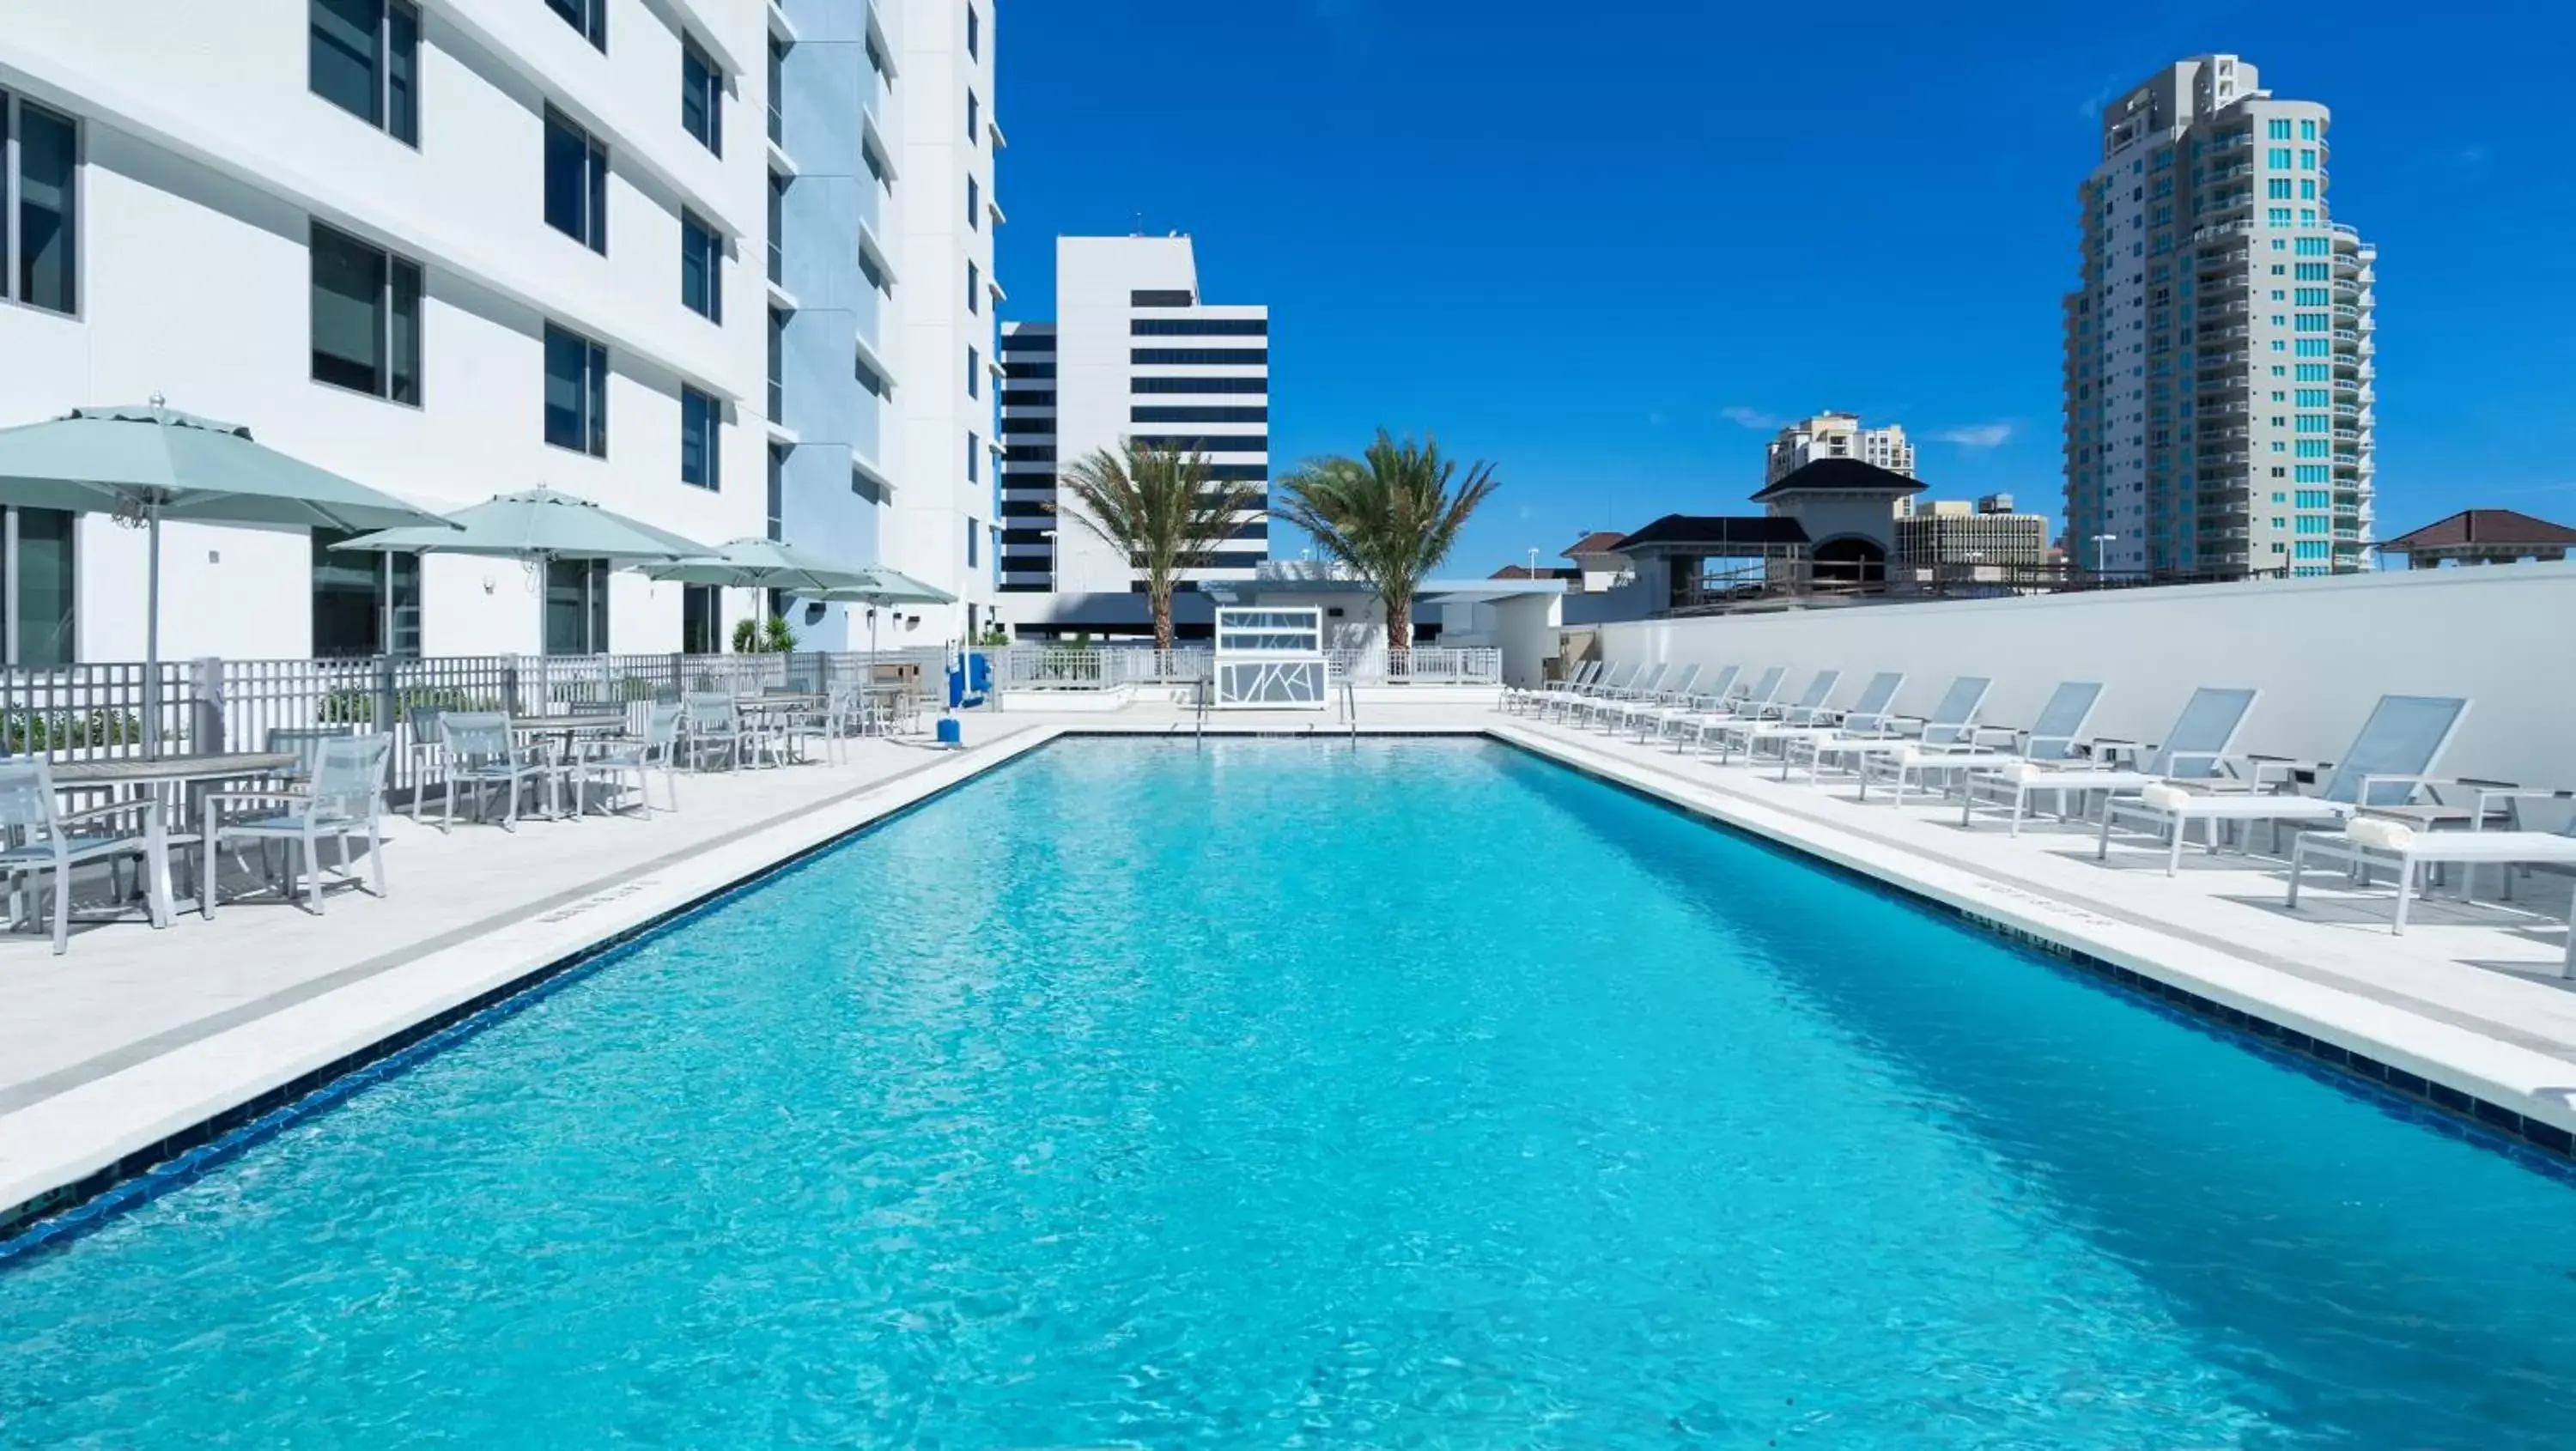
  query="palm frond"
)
[{"x": 1391, "y": 514}]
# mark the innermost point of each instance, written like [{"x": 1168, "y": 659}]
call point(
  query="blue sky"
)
[{"x": 1609, "y": 246}]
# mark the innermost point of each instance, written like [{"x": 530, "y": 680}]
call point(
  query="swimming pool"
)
[{"x": 1285, "y": 1093}]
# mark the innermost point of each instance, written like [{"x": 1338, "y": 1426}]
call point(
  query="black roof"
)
[
  {"x": 1678, "y": 532},
  {"x": 1841, "y": 473}
]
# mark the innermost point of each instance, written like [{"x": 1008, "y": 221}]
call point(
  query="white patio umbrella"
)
[
  {"x": 537, "y": 526},
  {"x": 149, "y": 464}
]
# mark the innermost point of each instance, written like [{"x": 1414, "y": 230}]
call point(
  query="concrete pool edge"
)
[
  {"x": 69, "y": 1149},
  {"x": 2519, "y": 1097}
]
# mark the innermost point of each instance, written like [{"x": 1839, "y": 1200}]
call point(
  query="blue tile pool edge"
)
[
  {"x": 64, "y": 1213},
  {"x": 2452, "y": 1112}
]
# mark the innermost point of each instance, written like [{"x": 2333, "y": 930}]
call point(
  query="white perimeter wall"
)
[{"x": 2321, "y": 651}]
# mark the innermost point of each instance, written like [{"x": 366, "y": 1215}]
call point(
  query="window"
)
[
  {"x": 576, "y": 182},
  {"x": 972, "y": 530},
  {"x": 38, "y": 584},
  {"x": 2277, "y": 130},
  {"x": 1201, "y": 385},
  {"x": 2277, "y": 189},
  {"x": 1206, "y": 443},
  {"x": 1203, "y": 357},
  {"x": 363, "y": 56},
  {"x": 590, "y": 17},
  {"x": 2307, "y": 130},
  {"x": 576, "y": 392},
  {"x": 974, "y": 205},
  {"x": 777, "y": 68},
  {"x": 700, "y": 416},
  {"x": 777, "y": 228},
  {"x": 39, "y": 199},
  {"x": 778, "y": 491},
  {"x": 701, "y": 619},
  {"x": 2278, "y": 158},
  {"x": 1213, "y": 327},
  {"x": 1198, "y": 414},
  {"x": 974, "y": 371},
  {"x": 777, "y": 366},
  {"x": 974, "y": 446},
  {"x": 366, "y": 317},
  {"x": 974, "y": 117},
  {"x": 701, "y": 269},
  {"x": 701, "y": 97},
  {"x": 576, "y": 607},
  {"x": 365, "y": 602},
  {"x": 974, "y": 285},
  {"x": 1160, "y": 297},
  {"x": 974, "y": 31},
  {"x": 2307, "y": 158}
]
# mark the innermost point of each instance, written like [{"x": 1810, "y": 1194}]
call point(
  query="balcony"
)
[
  {"x": 2230, "y": 142},
  {"x": 2219, "y": 360},
  {"x": 2348, "y": 410},
  {"x": 2346, "y": 238},
  {"x": 2223, "y": 203},
  {"x": 2232, "y": 456}
]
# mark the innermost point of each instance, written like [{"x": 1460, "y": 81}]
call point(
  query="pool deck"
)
[{"x": 136, "y": 1037}]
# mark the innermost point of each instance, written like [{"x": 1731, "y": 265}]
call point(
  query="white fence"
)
[
  {"x": 1062, "y": 667},
  {"x": 77, "y": 712}
]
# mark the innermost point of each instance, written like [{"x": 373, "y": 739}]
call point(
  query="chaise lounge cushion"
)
[{"x": 2379, "y": 833}]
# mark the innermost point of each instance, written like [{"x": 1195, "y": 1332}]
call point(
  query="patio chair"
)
[
  {"x": 2054, "y": 735},
  {"x": 37, "y": 836},
  {"x": 1953, "y": 721},
  {"x": 613, "y": 761},
  {"x": 1809, "y": 712},
  {"x": 710, "y": 723},
  {"x": 1751, "y": 702},
  {"x": 481, "y": 754},
  {"x": 427, "y": 751},
  {"x": 2370, "y": 839},
  {"x": 343, "y": 798},
  {"x": 2200, "y": 745},
  {"x": 304, "y": 743},
  {"x": 2387, "y": 764}
]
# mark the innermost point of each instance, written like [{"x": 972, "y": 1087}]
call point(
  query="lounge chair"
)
[
  {"x": 1953, "y": 722},
  {"x": 344, "y": 797},
  {"x": 1644, "y": 688},
  {"x": 2199, "y": 746},
  {"x": 37, "y": 836},
  {"x": 1711, "y": 696},
  {"x": 1811, "y": 715},
  {"x": 2369, "y": 840},
  {"x": 1751, "y": 702},
  {"x": 1520, "y": 698},
  {"x": 1623, "y": 714},
  {"x": 2387, "y": 764},
  {"x": 1612, "y": 677},
  {"x": 2055, "y": 734}
]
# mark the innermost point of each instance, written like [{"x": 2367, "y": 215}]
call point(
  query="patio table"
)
[
  {"x": 565, "y": 730},
  {"x": 192, "y": 774}
]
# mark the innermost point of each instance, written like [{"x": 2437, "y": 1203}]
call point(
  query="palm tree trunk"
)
[
  {"x": 1399, "y": 635},
  {"x": 1163, "y": 622}
]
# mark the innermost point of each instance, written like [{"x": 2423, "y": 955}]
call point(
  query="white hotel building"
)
[
  {"x": 1133, "y": 353},
  {"x": 724, "y": 267}
]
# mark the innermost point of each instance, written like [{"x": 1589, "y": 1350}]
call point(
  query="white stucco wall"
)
[{"x": 2321, "y": 651}]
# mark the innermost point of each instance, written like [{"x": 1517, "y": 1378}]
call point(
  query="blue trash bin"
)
[{"x": 949, "y": 734}]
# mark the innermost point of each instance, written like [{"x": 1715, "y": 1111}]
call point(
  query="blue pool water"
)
[{"x": 1282, "y": 1094}]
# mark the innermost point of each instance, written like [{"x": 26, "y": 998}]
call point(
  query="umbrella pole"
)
[{"x": 152, "y": 630}]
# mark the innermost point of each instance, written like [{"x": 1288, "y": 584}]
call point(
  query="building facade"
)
[
  {"x": 460, "y": 249},
  {"x": 1952, "y": 534},
  {"x": 1836, "y": 435},
  {"x": 1134, "y": 353},
  {"x": 2219, "y": 354}
]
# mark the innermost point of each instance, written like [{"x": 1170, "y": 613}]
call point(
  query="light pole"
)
[
  {"x": 1533, "y": 564},
  {"x": 2101, "y": 547}
]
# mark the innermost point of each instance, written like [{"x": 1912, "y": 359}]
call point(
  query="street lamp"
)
[
  {"x": 1533, "y": 564},
  {"x": 2100, "y": 548}
]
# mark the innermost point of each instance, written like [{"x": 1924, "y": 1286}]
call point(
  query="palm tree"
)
[
  {"x": 1389, "y": 514},
  {"x": 1160, "y": 508}
]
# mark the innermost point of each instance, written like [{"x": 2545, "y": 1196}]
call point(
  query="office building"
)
[
  {"x": 1134, "y": 353},
  {"x": 1952, "y": 534},
  {"x": 1836, "y": 435},
  {"x": 2219, "y": 358},
  {"x": 458, "y": 249}
]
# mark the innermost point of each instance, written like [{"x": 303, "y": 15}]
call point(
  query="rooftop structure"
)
[{"x": 2482, "y": 536}]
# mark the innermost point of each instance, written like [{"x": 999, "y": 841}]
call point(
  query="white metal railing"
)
[
  {"x": 94, "y": 710},
  {"x": 1083, "y": 667}
]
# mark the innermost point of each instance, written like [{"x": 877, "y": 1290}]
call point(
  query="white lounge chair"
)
[
  {"x": 1812, "y": 716},
  {"x": 37, "y": 836},
  {"x": 2200, "y": 744},
  {"x": 2054, "y": 735},
  {"x": 1711, "y": 696},
  {"x": 1624, "y": 714},
  {"x": 1612, "y": 677},
  {"x": 2387, "y": 764},
  {"x": 1591, "y": 706},
  {"x": 1953, "y": 721},
  {"x": 344, "y": 797},
  {"x": 1752, "y": 702},
  {"x": 1518, "y": 698},
  {"x": 2369, "y": 840}
]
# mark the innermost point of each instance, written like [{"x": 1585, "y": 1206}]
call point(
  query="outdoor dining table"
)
[
  {"x": 191, "y": 774},
  {"x": 886, "y": 701},
  {"x": 565, "y": 730}
]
